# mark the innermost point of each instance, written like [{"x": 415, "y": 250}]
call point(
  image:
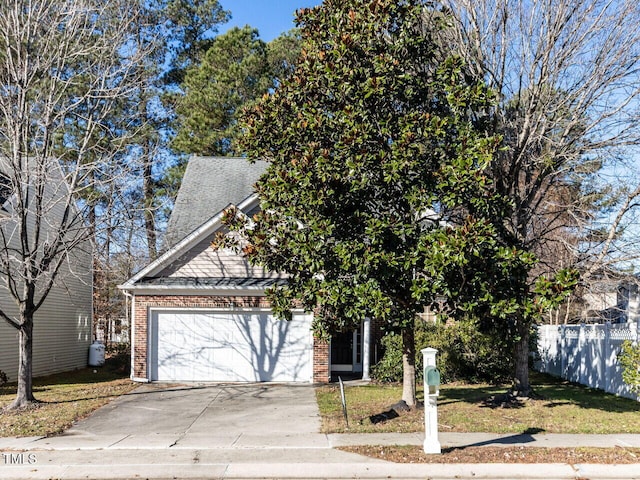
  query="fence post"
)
[
  {"x": 581, "y": 351},
  {"x": 563, "y": 352},
  {"x": 606, "y": 357}
]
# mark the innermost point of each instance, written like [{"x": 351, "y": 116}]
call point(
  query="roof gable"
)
[
  {"x": 192, "y": 264},
  {"x": 209, "y": 185}
]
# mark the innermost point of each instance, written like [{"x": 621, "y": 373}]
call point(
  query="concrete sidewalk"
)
[
  {"x": 297, "y": 456},
  {"x": 85, "y": 441}
]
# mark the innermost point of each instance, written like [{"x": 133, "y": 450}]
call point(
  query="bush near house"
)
[
  {"x": 119, "y": 357},
  {"x": 630, "y": 361},
  {"x": 464, "y": 353}
]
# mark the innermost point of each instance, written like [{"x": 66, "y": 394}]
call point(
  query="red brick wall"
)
[
  {"x": 141, "y": 314},
  {"x": 321, "y": 373}
]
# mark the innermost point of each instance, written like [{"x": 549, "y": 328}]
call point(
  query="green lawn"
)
[
  {"x": 64, "y": 398},
  {"x": 563, "y": 408}
]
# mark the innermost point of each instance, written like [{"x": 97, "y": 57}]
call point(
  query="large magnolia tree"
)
[
  {"x": 65, "y": 67},
  {"x": 377, "y": 191}
]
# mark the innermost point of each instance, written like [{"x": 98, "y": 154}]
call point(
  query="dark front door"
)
[{"x": 346, "y": 352}]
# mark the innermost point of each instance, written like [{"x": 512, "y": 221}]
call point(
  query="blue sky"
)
[{"x": 270, "y": 17}]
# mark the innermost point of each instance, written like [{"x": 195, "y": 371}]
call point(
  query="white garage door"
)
[{"x": 230, "y": 347}]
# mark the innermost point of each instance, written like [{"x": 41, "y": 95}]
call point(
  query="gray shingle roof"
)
[{"x": 208, "y": 186}]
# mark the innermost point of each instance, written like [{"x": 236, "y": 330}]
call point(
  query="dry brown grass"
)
[
  {"x": 63, "y": 399},
  {"x": 413, "y": 454}
]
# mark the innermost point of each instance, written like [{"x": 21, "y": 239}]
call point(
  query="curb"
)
[{"x": 311, "y": 471}]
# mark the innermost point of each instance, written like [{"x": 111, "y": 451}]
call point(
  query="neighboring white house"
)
[
  {"x": 613, "y": 300},
  {"x": 62, "y": 325}
]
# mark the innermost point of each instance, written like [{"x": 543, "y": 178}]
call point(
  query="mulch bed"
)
[{"x": 414, "y": 454}]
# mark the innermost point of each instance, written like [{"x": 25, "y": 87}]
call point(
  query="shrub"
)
[
  {"x": 389, "y": 369},
  {"x": 464, "y": 353},
  {"x": 118, "y": 357},
  {"x": 3, "y": 378},
  {"x": 630, "y": 361}
]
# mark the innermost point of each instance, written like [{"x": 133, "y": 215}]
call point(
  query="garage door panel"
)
[
  {"x": 246, "y": 346},
  {"x": 281, "y": 348}
]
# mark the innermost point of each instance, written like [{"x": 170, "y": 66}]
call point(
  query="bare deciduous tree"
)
[
  {"x": 65, "y": 67},
  {"x": 568, "y": 78}
]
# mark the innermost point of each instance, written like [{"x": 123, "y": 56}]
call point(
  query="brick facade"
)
[{"x": 143, "y": 303}]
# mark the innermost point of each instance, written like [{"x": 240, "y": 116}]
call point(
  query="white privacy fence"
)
[{"x": 586, "y": 354}]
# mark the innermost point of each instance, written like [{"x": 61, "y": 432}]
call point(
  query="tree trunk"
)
[
  {"x": 149, "y": 218},
  {"x": 409, "y": 366},
  {"x": 521, "y": 385},
  {"x": 24, "y": 395}
]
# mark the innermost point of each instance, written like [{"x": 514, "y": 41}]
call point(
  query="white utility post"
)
[{"x": 431, "y": 392}]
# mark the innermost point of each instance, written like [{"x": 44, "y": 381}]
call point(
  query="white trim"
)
[
  {"x": 140, "y": 380},
  {"x": 195, "y": 290},
  {"x": 153, "y": 309},
  {"x": 133, "y": 335},
  {"x": 366, "y": 346},
  {"x": 204, "y": 230},
  {"x": 342, "y": 367}
]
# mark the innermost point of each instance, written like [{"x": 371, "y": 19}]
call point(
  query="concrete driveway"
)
[{"x": 207, "y": 416}]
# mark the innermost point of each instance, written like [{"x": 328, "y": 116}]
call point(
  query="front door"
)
[{"x": 346, "y": 352}]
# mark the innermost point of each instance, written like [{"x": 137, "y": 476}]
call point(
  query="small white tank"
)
[{"x": 96, "y": 354}]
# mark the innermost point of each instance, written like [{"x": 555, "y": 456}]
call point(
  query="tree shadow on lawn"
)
[
  {"x": 553, "y": 392},
  {"x": 558, "y": 392},
  {"x": 472, "y": 394}
]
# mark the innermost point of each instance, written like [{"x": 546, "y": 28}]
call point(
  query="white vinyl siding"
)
[
  {"x": 230, "y": 346},
  {"x": 62, "y": 326},
  {"x": 62, "y": 329},
  {"x": 202, "y": 261}
]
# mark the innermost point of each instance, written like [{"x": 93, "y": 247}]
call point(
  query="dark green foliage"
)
[
  {"x": 389, "y": 368},
  {"x": 379, "y": 197},
  {"x": 630, "y": 361},
  {"x": 377, "y": 200},
  {"x": 467, "y": 354},
  {"x": 370, "y": 142},
  {"x": 464, "y": 353},
  {"x": 118, "y": 357},
  {"x": 234, "y": 72}
]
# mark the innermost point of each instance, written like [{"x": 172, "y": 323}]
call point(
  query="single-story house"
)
[
  {"x": 62, "y": 326},
  {"x": 200, "y": 314}
]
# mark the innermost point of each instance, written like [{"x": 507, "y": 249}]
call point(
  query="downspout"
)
[{"x": 132, "y": 326}]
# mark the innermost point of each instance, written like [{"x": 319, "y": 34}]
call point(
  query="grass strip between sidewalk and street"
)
[
  {"x": 63, "y": 399},
  {"x": 524, "y": 455}
]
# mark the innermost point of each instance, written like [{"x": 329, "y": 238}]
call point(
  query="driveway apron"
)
[{"x": 206, "y": 416}]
